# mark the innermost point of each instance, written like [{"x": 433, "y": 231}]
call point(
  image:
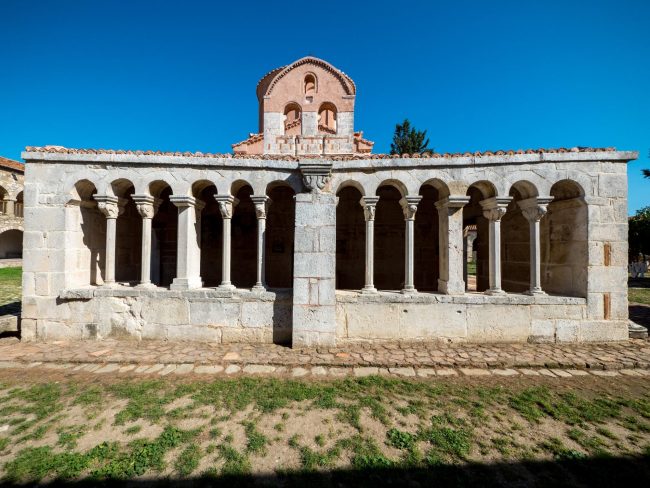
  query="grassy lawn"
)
[
  {"x": 639, "y": 291},
  {"x": 364, "y": 432},
  {"x": 10, "y": 285}
]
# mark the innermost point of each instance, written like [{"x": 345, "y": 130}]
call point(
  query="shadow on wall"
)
[{"x": 593, "y": 472}]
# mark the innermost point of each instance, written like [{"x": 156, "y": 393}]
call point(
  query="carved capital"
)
[
  {"x": 111, "y": 206},
  {"x": 262, "y": 203},
  {"x": 369, "y": 205},
  {"x": 534, "y": 209},
  {"x": 495, "y": 208},
  {"x": 452, "y": 203},
  {"x": 227, "y": 204},
  {"x": 410, "y": 206},
  {"x": 182, "y": 201},
  {"x": 315, "y": 175},
  {"x": 147, "y": 205}
]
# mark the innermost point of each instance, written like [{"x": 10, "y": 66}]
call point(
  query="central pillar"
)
[
  {"x": 261, "y": 203},
  {"x": 227, "y": 204},
  {"x": 188, "y": 254},
  {"x": 534, "y": 209},
  {"x": 112, "y": 207},
  {"x": 314, "y": 260},
  {"x": 147, "y": 208},
  {"x": 369, "y": 205},
  {"x": 409, "y": 206},
  {"x": 494, "y": 209},
  {"x": 451, "y": 244}
]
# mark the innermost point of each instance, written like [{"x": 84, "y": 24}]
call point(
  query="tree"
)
[
  {"x": 646, "y": 173},
  {"x": 409, "y": 140},
  {"x": 639, "y": 232}
]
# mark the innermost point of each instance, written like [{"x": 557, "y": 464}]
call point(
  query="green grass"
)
[
  {"x": 10, "y": 285},
  {"x": 639, "y": 295}
]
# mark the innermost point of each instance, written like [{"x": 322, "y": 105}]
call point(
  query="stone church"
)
[{"x": 302, "y": 236}]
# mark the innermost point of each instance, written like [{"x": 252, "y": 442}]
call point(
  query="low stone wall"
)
[
  {"x": 197, "y": 315},
  {"x": 392, "y": 316}
]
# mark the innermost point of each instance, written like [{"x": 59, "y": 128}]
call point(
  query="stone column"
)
[
  {"x": 262, "y": 203},
  {"x": 112, "y": 207},
  {"x": 314, "y": 259},
  {"x": 409, "y": 206},
  {"x": 10, "y": 207},
  {"x": 494, "y": 209},
  {"x": 533, "y": 209},
  {"x": 188, "y": 254},
  {"x": 451, "y": 254},
  {"x": 147, "y": 207},
  {"x": 369, "y": 205},
  {"x": 227, "y": 204}
]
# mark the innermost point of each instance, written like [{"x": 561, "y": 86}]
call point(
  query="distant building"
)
[{"x": 11, "y": 208}]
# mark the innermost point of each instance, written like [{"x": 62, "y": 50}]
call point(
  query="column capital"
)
[
  {"x": 111, "y": 206},
  {"x": 182, "y": 201},
  {"x": 369, "y": 205},
  {"x": 315, "y": 175},
  {"x": 452, "y": 202},
  {"x": 533, "y": 209},
  {"x": 227, "y": 204},
  {"x": 147, "y": 205},
  {"x": 409, "y": 205},
  {"x": 262, "y": 203},
  {"x": 495, "y": 208}
]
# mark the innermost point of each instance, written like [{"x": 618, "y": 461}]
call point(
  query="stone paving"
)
[{"x": 630, "y": 358}]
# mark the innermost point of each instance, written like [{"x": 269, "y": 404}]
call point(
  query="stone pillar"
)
[
  {"x": 147, "y": 207},
  {"x": 494, "y": 209},
  {"x": 369, "y": 205},
  {"x": 10, "y": 208},
  {"x": 188, "y": 254},
  {"x": 227, "y": 204},
  {"x": 409, "y": 206},
  {"x": 262, "y": 203},
  {"x": 314, "y": 286},
  {"x": 452, "y": 262},
  {"x": 533, "y": 209},
  {"x": 112, "y": 207}
]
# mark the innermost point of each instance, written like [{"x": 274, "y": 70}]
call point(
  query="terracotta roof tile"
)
[
  {"x": 11, "y": 164},
  {"x": 65, "y": 150}
]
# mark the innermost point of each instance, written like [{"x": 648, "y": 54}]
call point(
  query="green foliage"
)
[
  {"x": 646, "y": 173},
  {"x": 400, "y": 439},
  {"x": 188, "y": 460},
  {"x": 255, "y": 440},
  {"x": 639, "y": 232},
  {"x": 235, "y": 463},
  {"x": 409, "y": 140},
  {"x": 560, "y": 451},
  {"x": 68, "y": 436},
  {"x": 133, "y": 430}
]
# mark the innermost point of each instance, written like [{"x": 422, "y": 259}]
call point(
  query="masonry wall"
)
[{"x": 64, "y": 253}]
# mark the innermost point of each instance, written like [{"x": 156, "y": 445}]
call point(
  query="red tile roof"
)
[
  {"x": 11, "y": 164},
  {"x": 65, "y": 150}
]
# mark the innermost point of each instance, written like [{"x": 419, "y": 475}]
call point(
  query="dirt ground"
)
[{"x": 522, "y": 431}]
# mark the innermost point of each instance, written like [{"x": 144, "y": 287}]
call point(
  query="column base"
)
[
  {"x": 186, "y": 283},
  {"x": 494, "y": 291},
  {"x": 257, "y": 288},
  {"x": 111, "y": 284},
  {"x": 227, "y": 286},
  {"x": 368, "y": 290},
  {"x": 146, "y": 285},
  {"x": 451, "y": 288},
  {"x": 408, "y": 291},
  {"x": 535, "y": 292}
]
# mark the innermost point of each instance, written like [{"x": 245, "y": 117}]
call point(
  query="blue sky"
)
[{"x": 181, "y": 75}]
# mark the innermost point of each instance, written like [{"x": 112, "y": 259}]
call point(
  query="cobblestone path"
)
[{"x": 158, "y": 357}]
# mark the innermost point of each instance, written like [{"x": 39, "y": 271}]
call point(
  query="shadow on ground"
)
[{"x": 592, "y": 472}]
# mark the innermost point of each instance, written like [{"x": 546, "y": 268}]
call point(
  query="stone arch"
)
[
  {"x": 351, "y": 183},
  {"x": 426, "y": 246},
  {"x": 515, "y": 240},
  {"x": 199, "y": 186},
  {"x": 120, "y": 187},
  {"x": 164, "y": 234},
  {"x": 292, "y": 119},
  {"x": 440, "y": 186},
  {"x": 564, "y": 241},
  {"x": 350, "y": 237},
  {"x": 4, "y": 196},
  {"x": 389, "y": 236},
  {"x": 294, "y": 185},
  {"x": 244, "y": 237},
  {"x": 156, "y": 187},
  {"x": 237, "y": 185},
  {"x": 397, "y": 184},
  {"x": 280, "y": 229},
  {"x": 477, "y": 270},
  {"x": 11, "y": 243}
]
